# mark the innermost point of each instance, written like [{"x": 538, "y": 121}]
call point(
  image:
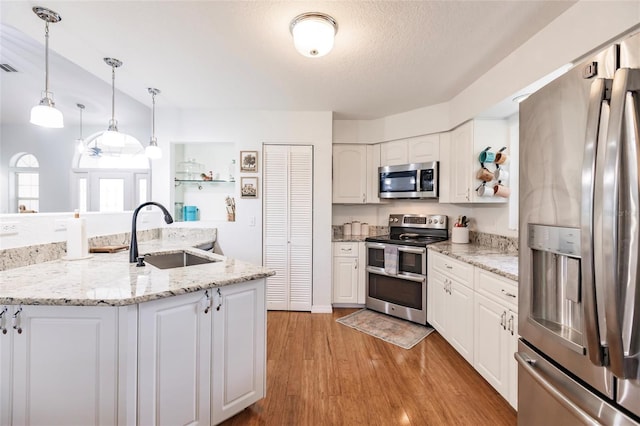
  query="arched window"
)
[
  {"x": 110, "y": 179},
  {"x": 26, "y": 189}
]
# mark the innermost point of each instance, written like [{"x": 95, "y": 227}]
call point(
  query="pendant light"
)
[
  {"x": 112, "y": 137},
  {"x": 152, "y": 150},
  {"x": 313, "y": 33},
  {"x": 80, "y": 145},
  {"x": 45, "y": 113}
]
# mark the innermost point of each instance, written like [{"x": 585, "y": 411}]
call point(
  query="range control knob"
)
[
  {"x": 395, "y": 220},
  {"x": 429, "y": 221},
  {"x": 442, "y": 220}
]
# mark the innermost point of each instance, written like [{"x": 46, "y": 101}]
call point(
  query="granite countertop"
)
[
  {"x": 349, "y": 239},
  {"x": 503, "y": 263},
  {"x": 108, "y": 279}
]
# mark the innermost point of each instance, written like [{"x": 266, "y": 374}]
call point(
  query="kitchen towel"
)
[{"x": 391, "y": 260}]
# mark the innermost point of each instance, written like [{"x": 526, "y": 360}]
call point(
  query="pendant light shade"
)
[
  {"x": 45, "y": 113},
  {"x": 80, "y": 145},
  {"x": 152, "y": 150},
  {"x": 313, "y": 33},
  {"x": 112, "y": 137}
]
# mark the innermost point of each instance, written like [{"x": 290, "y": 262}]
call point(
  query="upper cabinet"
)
[
  {"x": 349, "y": 174},
  {"x": 394, "y": 153},
  {"x": 355, "y": 174},
  {"x": 467, "y": 142},
  {"x": 424, "y": 149},
  {"x": 414, "y": 150}
]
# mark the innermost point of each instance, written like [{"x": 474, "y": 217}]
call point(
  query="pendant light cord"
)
[
  {"x": 113, "y": 93},
  {"x": 153, "y": 116},
  {"x": 46, "y": 59}
]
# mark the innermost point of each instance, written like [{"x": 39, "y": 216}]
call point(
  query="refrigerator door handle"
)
[
  {"x": 528, "y": 365},
  {"x": 621, "y": 225},
  {"x": 592, "y": 189}
]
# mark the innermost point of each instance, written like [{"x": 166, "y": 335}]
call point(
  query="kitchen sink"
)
[{"x": 177, "y": 260}]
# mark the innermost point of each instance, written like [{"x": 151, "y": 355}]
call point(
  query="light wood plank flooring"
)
[{"x": 320, "y": 372}]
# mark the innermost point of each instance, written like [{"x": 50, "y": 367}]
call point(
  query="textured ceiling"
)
[{"x": 389, "y": 56}]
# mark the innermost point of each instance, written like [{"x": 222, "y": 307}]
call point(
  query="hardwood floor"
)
[{"x": 320, "y": 372}]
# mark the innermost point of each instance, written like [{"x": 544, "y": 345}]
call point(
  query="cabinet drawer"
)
[
  {"x": 460, "y": 271},
  {"x": 345, "y": 249},
  {"x": 497, "y": 288}
]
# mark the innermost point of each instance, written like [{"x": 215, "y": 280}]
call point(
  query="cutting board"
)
[{"x": 108, "y": 249}]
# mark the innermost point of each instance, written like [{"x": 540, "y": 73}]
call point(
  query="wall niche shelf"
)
[{"x": 200, "y": 182}]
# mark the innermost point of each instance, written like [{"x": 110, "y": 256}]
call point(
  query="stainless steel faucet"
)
[{"x": 133, "y": 246}]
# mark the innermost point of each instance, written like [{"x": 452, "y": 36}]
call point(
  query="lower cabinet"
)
[
  {"x": 238, "y": 376},
  {"x": 497, "y": 339},
  {"x": 174, "y": 360},
  {"x": 479, "y": 319},
  {"x": 202, "y": 356},
  {"x": 58, "y": 365},
  {"x": 451, "y": 304},
  {"x": 349, "y": 269},
  {"x": 194, "y": 359}
]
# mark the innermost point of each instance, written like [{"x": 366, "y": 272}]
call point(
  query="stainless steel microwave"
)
[{"x": 417, "y": 180}]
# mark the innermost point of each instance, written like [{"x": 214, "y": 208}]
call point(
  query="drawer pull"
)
[
  {"x": 506, "y": 293},
  {"x": 448, "y": 266}
]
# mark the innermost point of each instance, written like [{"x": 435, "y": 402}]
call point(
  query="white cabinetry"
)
[
  {"x": 373, "y": 178},
  {"x": 239, "y": 349},
  {"x": 496, "y": 322},
  {"x": 201, "y": 356},
  {"x": 350, "y": 174},
  {"x": 346, "y": 273},
  {"x": 59, "y": 365},
  {"x": 174, "y": 360},
  {"x": 287, "y": 228},
  {"x": 420, "y": 149},
  {"x": 424, "y": 148},
  {"x": 355, "y": 174},
  {"x": 476, "y": 311},
  {"x": 394, "y": 153},
  {"x": 467, "y": 141},
  {"x": 450, "y": 306},
  {"x": 444, "y": 168}
]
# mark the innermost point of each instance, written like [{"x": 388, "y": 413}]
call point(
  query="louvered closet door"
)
[{"x": 288, "y": 218}]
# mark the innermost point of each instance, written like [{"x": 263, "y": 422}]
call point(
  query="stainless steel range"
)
[{"x": 397, "y": 265}]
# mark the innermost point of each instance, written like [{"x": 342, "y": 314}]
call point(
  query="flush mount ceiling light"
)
[
  {"x": 313, "y": 33},
  {"x": 45, "y": 113},
  {"x": 112, "y": 137},
  {"x": 152, "y": 150},
  {"x": 80, "y": 146}
]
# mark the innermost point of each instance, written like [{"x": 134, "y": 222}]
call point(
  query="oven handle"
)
[
  {"x": 412, "y": 250},
  {"x": 380, "y": 271},
  {"x": 375, "y": 245}
]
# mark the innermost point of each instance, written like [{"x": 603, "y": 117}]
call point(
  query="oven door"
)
[
  {"x": 401, "y": 296},
  {"x": 411, "y": 261}
]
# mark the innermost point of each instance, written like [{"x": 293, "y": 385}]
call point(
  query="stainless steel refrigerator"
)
[{"x": 579, "y": 304}]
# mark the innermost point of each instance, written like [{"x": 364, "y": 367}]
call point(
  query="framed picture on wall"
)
[
  {"x": 248, "y": 161},
  {"x": 249, "y": 187}
]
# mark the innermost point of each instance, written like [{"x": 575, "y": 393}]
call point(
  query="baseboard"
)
[
  {"x": 348, "y": 305},
  {"x": 321, "y": 309}
]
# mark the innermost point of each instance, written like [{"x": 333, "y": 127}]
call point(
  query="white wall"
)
[{"x": 249, "y": 130}]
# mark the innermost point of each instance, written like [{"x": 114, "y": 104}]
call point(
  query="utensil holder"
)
[{"x": 460, "y": 235}]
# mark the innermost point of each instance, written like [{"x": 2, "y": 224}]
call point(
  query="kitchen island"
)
[{"x": 101, "y": 341}]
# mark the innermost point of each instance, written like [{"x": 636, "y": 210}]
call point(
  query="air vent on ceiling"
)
[{"x": 8, "y": 68}]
